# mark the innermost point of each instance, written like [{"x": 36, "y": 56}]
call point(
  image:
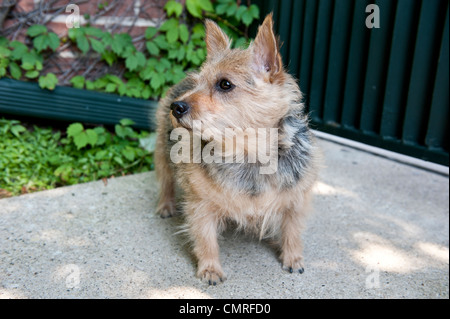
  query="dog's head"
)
[{"x": 236, "y": 88}]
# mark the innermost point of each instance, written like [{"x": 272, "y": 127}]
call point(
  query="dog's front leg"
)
[
  {"x": 203, "y": 228},
  {"x": 291, "y": 242}
]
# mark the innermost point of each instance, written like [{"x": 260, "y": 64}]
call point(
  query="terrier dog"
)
[{"x": 248, "y": 91}]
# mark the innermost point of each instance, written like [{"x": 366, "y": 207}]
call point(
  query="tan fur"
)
[{"x": 264, "y": 94}]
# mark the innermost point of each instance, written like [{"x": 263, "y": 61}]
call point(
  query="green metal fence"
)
[{"x": 385, "y": 86}]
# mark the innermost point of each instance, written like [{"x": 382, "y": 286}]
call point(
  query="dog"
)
[{"x": 249, "y": 92}]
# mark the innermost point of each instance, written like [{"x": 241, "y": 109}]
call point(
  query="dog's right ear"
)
[{"x": 216, "y": 39}]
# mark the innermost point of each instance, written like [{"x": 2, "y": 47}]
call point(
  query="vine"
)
[{"x": 140, "y": 68}]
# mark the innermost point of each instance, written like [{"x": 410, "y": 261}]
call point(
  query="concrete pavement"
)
[{"x": 380, "y": 229}]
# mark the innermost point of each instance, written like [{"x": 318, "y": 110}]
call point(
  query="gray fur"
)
[{"x": 293, "y": 163}]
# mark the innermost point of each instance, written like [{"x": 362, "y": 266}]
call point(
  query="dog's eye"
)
[{"x": 225, "y": 85}]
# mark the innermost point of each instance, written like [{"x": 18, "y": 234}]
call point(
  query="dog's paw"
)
[
  {"x": 167, "y": 210},
  {"x": 295, "y": 266},
  {"x": 212, "y": 276}
]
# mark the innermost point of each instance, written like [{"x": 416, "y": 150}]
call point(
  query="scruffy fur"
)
[{"x": 264, "y": 96}]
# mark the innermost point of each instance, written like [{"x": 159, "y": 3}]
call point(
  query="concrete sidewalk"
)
[{"x": 380, "y": 230}]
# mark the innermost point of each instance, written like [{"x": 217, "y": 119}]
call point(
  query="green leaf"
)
[
  {"x": 120, "y": 131},
  {"x": 75, "y": 129},
  {"x": 107, "y": 39},
  {"x": 206, "y": 5},
  {"x": 97, "y": 45},
  {"x": 131, "y": 62},
  {"x": 110, "y": 87},
  {"x": 78, "y": 82},
  {"x": 48, "y": 81},
  {"x": 89, "y": 85},
  {"x": 113, "y": 78},
  {"x": 118, "y": 160},
  {"x": 101, "y": 83},
  {"x": 4, "y": 52},
  {"x": 140, "y": 59},
  {"x": 221, "y": 8},
  {"x": 254, "y": 10},
  {"x": 157, "y": 81},
  {"x": 232, "y": 9},
  {"x": 173, "y": 8},
  {"x": 53, "y": 41},
  {"x": 146, "y": 92},
  {"x": 161, "y": 42},
  {"x": 147, "y": 72},
  {"x": 122, "y": 89},
  {"x": 36, "y": 30},
  {"x": 82, "y": 42},
  {"x": 172, "y": 35},
  {"x": 2, "y": 71},
  {"x": 150, "y": 32},
  {"x": 28, "y": 61},
  {"x": 92, "y": 137},
  {"x": 193, "y": 7},
  {"x": 109, "y": 57},
  {"x": 19, "y": 49},
  {"x": 129, "y": 153},
  {"x": 63, "y": 171},
  {"x": 101, "y": 155},
  {"x": 126, "y": 122},
  {"x": 32, "y": 74},
  {"x": 15, "y": 71},
  {"x": 181, "y": 53},
  {"x": 122, "y": 43},
  {"x": 198, "y": 31},
  {"x": 184, "y": 33},
  {"x": 247, "y": 18},
  {"x": 41, "y": 42},
  {"x": 241, "y": 43},
  {"x": 80, "y": 140},
  {"x": 95, "y": 32},
  {"x": 169, "y": 25},
  {"x": 152, "y": 48},
  {"x": 17, "y": 129},
  {"x": 240, "y": 11},
  {"x": 72, "y": 33}
]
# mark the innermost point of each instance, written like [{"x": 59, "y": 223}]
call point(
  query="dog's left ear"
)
[
  {"x": 216, "y": 40},
  {"x": 266, "y": 51}
]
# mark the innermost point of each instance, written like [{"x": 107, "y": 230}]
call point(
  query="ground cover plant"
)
[{"x": 35, "y": 158}]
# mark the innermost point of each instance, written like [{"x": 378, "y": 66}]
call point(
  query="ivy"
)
[
  {"x": 18, "y": 61},
  {"x": 42, "y": 38},
  {"x": 48, "y": 81},
  {"x": 175, "y": 47}
]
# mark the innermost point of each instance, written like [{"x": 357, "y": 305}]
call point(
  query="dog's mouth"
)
[{"x": 184, "y": 122}]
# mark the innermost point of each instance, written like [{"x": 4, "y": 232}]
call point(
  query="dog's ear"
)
[
  {"x": 266, "y": 50},
  {"x": 216, "y": 39}
]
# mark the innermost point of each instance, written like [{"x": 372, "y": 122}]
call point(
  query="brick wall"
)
[
  {"x": 116, "y": 16},
  {"x": 131, "y": 16}
]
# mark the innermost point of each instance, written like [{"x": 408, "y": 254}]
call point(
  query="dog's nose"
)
[{"x": 179, "y": 109}]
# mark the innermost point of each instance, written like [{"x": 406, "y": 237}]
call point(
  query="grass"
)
[{"x": 35, "y": 158}]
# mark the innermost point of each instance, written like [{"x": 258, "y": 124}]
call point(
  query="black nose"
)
[{"x": 179, "y": 109}]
